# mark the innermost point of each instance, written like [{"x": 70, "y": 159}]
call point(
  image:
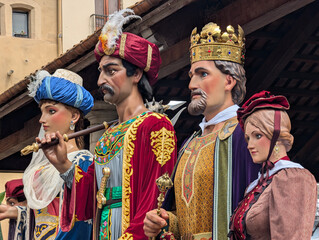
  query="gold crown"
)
[{"x": 211, "y": 44}]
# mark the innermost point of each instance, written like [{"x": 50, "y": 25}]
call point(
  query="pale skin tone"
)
[
  {"x": 126, "y": 98},
  {"x": 56, "y": 120},
  {"x": 258, "y": 145},
  {"x": 218, "y": 86}
]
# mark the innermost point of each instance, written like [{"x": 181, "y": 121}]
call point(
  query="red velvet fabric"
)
[
  {"x": 261, "y": 100},
  {"x": 136, "y": 52},
  {"x": 14, "y": 188},
  {"x": 80, "y": 202}
]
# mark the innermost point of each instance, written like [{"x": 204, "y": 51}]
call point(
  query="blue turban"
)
[{"x": 64, "y": 91}]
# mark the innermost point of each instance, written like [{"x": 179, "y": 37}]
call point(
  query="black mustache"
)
[{"x": 108, "y": 88}]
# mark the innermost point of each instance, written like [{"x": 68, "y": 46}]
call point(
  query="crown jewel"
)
[{"x": 212, "y": 44}]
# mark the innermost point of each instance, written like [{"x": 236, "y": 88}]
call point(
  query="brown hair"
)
[{"x": 79, "y": 125}]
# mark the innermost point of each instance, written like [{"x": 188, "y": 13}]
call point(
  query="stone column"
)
[{"x": 101, "y": 112}]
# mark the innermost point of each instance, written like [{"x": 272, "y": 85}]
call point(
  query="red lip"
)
[{"x": 45, "y": 127}]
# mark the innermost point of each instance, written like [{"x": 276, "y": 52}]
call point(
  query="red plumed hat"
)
[{"x": 128, "y": 46}]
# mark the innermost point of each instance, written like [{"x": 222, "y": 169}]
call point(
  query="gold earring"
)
[
  {"x": 276, "y": 150},
  {"x": 72, "y": 125}
]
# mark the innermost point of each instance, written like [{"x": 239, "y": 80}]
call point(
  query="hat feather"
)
[
  {"x": 36, "y": 81},
  {"x": 113, "y": 27}
]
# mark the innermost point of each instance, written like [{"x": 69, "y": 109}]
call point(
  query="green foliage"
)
[{"x": 1, "y": 199}]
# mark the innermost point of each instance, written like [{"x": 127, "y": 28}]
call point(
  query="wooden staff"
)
[{"x": 36, "y": 146}]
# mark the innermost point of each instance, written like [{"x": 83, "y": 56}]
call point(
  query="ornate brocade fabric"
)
[{"x": 194, "y": 185}]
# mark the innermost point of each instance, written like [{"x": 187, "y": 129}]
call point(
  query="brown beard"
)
[{"x": 197, "y": 106}]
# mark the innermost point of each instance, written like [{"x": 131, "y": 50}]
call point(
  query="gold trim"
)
[
  {"x": 218, "y": 51},
  {"x": 149, "y": 58},
  {"x": 203, "y": 236},
  {"x": 129, "y": 147},
  {"x": 122, "y": 45},
  {"x": 98, "y": 51},
  {"x": 127, "y": 236}
]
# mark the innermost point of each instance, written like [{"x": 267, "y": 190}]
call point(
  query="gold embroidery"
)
[
  {"x": 129, "y": 147},
  {"x": 163, "y": 144},
  {"x": 78, "y": 174},
  {"x": 228, "y": 128},
  {"x": 127, "y": 236},
  {"x": 149, "y": 58},
  {"x": 122, "y": 45}
]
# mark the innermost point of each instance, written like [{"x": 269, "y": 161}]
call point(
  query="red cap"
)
[
  {"x": 258, "y": 101},
  {"x": 14, "y": 188},
  {"x": 135, "y": 50}
]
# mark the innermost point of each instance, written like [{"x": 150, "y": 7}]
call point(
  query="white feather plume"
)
[
  {"x": 113, "y": 27},
  {"x": 36, "y": 82}
]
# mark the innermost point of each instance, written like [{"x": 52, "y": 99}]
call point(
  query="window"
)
[{"x": 20, "y": 24}]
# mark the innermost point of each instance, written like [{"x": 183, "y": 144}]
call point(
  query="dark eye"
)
[
  {"x": 258, "y": 136},
  {"x": 52, "y": 111},
  {"x": 100, "y": 69},
  {"x": 204, "y": 74},
  {"x": 247, "y": 139},
  {"x": 111, "y": 71}
]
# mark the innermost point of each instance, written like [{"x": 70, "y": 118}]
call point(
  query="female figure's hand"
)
[{"x": 56, "y": 154}]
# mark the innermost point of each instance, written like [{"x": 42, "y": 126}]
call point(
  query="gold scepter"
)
[
  {"x": 164, "y": 183},
  {"x": 36, "y": 146}
]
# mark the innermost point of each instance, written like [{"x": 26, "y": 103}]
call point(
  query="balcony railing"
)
[{"x": 97, "y": 21}]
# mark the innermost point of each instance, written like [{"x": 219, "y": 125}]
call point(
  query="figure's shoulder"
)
[
  {"x": 293, "y": 175},
  {"x": 151, "y": 119},
  {"x": 228, "y": 128}
]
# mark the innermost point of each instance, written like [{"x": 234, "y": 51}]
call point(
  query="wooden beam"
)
[
  {"x": 295, "y": 92},
  {"x": 305, "y": 124},
  {"x": 285, "y": 50},
  {"x": 159, "y": 13},
  {"x": 309, "y": 147},
  {"x": 173, "y": 67},
  {"x": 18, "y": 140},
  {"x": 15, "y": 104},
  {"x": 225, "y": 16},
  {"x": 304, "y": 109},
  {"x": 273, "y": 14},
  {"x": 82, "y": 62},
  {"x": 300, "y": 75},
  {"x": 307, "y": 58},
  {"x": 172, "y": 83}
]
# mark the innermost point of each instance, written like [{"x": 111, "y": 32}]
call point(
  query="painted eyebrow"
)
[
  {"x": 110, "y": 64},
  {"x": 197, "y": 70}
]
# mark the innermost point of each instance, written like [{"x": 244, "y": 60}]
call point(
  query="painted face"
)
[
  {"x": 12, "y": 201},
  {"x": 258, "y": 143},
  {"x": 207, "y": 87},
  {"x": 55, "y": 117},
  {"x": 113, "y": 82}
]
